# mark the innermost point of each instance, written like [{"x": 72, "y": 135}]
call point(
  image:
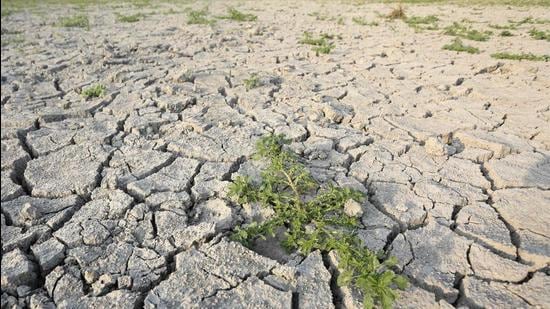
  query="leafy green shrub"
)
[
  {"x": 78, "y": 21},
  {"x": 522, "y": 56},
  {"x": 314, "y": 219},
  {"x": 459, "y": 30},
  {"x": 94, "y": 91},
  {"x": 234, "y": 14},
  {"x": 458, "y": 46}
]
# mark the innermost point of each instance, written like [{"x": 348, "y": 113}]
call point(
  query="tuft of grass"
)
[
  {"x": 314, "y": 219},
  {"x": 234, "y": 14},
  {"x": 465, "y": 32},
  {"x": 198, "y": 17},
  {"x": 539, "y": 34},
  {"x": 458, "y": 46},
  {"x": 522, "y": 56},
  {"x": 129, "y": 18},
  {"x": 77, "y": 21},
  {"x": 506, "y": 33},
  {"x": 252, "y": 82},
  {"x": 423, "y": 22},
  {"x": 363, "y": 22},
  {"x": 321, "y": 45},
  {"x": 94, "y": 91},
  {"x": 397, "y": 13},
  {"x": 530, "y": 20},
  {"x": 503, "y": 27}
]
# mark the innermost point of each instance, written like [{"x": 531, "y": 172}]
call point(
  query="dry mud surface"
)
[{"x": 120, "y": 201}]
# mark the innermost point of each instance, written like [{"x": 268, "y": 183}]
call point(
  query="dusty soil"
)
[{"x": 121, "y": 200}]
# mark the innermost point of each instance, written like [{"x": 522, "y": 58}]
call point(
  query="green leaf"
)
[
  {"x": 368, "y": 302},
  {"x": 345, "y": 278},
  {"x": 401, "y": 282}
]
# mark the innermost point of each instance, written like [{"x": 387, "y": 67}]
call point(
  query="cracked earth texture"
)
[{"x": 120, "y": 201}]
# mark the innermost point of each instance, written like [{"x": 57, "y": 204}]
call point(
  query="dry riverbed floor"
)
[{"x": 122, "y": 127}]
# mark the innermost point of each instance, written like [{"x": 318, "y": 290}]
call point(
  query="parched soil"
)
[{"x": 121, "y": 199}]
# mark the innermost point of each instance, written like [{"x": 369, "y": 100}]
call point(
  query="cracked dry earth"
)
[{"x": 120, "y": 201}]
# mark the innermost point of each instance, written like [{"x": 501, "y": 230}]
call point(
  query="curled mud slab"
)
[{"x": 120, "y": 200}]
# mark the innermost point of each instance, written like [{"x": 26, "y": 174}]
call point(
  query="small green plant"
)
[
  {"x": 78, "y": 21},
  {"x": 530, "y": 20},
  {"x": 465, "y": 32},
  {"x": 324, "y": 49},
  {"x": 506, "y": 33},
  {"x": 252, "y": 82},
  {"x": 94, "y": 91},
  {"x": 198, "y": 17},
  {"x": 363, "y": 22},
  {"x": 321, "y": 45},
  {"x": 539, "y": 34},
  {"x": 503, "y": 27},
  {"x": 420, "y": 23},
  {"x": 397, "y": 13},
  {"x": 129, "y": 18},
  {"x": 522, "y": 56},
  {"x": 458, "y": 46},
  {"x": 234, "y": 14},
  {"x": 314, "y": 219}
]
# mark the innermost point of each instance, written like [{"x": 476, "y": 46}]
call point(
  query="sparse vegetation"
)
[
  {"x": 252, "y": 82},
  {"x": 423, "y": 22},
  {"x": 321, "y": 45},
  {"x": 94, "y": 91},
  {"x": 458, "y": 46},
  {"x": 129, "y": 18},
  {"x": 397, "y": 13},
  {"x": 503, "y": 27},
  {"x": 530, "y": 20},
  {"x": 522, "y": 56},
  {"x": 506, "y": 33},
  {"x": 363, "y": 22},
  {"x": 539, "y": 34},
  {"x": 234, "y": 14},
  {"x": 77, "y": 21},
  {"x": 314, "y": 219},
  {"x": 198, "y": 17},
  {"x": 465, "y": 32}
]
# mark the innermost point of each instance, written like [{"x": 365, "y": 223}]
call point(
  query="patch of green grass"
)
[
  {"x": 324, "y": 49},
  {"x": 252, "y": 82},
  {"x": 94, "y": 91},
  {"x": 458, "y": 46},
  {"x": 77, "y": 21},
  {"x": 321, "y": 44},
  {"x": 465, "y": 32},
  {"x": 506, "y": 33},
  {"x": 314, "y": 219},
  {"x": 363, "y": 21},
  {"x": 522, "y": 56},
  {"x": 234, "y": 14},
  {"x": 420, "y": 23},
  {"x": 539, "y": 34},
  {"x": 198, "y": 17},
  {"x": 129, "y": 18},
  {"x": 503, "y": 27},
  {"x": 530, "y": 20}
]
